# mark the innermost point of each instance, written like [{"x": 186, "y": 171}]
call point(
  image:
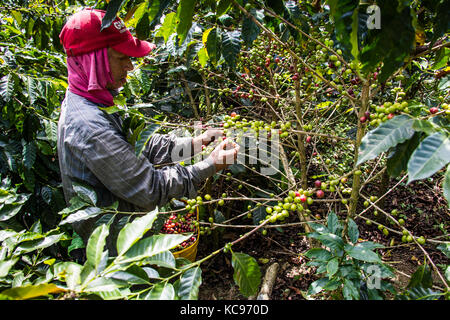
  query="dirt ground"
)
[{"x": 425, "y": 213}]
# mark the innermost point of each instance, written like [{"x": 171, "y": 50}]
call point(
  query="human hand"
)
[
  {"x": 206, "y": 138},
  {"x": 225, "y": 154}
]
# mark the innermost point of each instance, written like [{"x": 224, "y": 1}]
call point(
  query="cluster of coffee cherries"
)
[
  {"x": 182, "y": 223},
  {"x": 384, "y": 112},
  {"x": 234, "y": 121},
  {"x": 294, "y": 202}
]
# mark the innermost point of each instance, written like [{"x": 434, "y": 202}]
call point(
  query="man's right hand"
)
[{"x": 225, "y": 154}]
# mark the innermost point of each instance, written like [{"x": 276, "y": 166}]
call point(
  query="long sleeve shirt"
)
[{"x": 93, "y": 149}]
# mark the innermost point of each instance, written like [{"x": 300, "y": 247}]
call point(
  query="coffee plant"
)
[{"x": 355, "y": 93}]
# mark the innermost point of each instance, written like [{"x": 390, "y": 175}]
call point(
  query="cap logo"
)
[{"x": 120, "y": 26}]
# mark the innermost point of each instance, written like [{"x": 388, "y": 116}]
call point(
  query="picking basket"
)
[{"x": 190, "y": 252}]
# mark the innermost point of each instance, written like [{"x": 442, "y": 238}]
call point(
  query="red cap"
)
[{"x": 81, "y": 34}]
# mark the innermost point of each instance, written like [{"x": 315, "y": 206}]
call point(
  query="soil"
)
[{"x": 421, "y": 204}]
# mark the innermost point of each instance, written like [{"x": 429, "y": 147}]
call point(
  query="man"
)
[{"x": 92, "y": 148}]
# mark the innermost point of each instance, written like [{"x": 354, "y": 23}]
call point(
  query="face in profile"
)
[{"x": 120, "y": 64}]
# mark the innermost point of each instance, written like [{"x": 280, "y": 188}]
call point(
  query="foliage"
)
[
  {"x": 351, "y": 269},
  {"x": 346, "y": 99}
]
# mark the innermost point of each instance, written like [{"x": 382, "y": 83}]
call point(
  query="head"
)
[{"x": 83, "y": 33}]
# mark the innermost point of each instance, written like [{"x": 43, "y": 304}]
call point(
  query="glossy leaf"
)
[
  {"x": 222, "y": 7},
  {"x": 318, "y": 254},
  {"x": 190, "y": 282},
  {"x": 185, "y": 14},
  {"x": 168, "y": 27},
  {"x": 161, "y": 291},
  {"x": 164, "y": 259},
  {"x": 134, "y": 231},
  {"x": 421, "y": 278},
  {"x": 231, "y": 46},
  {"x": 95, "y": 245},
  {"x": 85, "y": 193},
  {"x": 150, "y": 246},
  {"x": 397, "y": 160},
  {"x": 111, "y": 12},
  {"x": 6, "y": 265},
  {"x": 353, "y": 232},
  {"x": 332, "y": 267},
  {"x": 84, "y": 214},
  {"x": 247, "y": 274},
  {"x": 333, "y": 223},
  {"x": 7, "y": 84},
  {"x": 432, "y": 154},
  {"x": 360, "y": 253},
  {"x": 384, "y": 137},
  {"x": 143, "y": 27},
  {"x": 144, "y": 138}
]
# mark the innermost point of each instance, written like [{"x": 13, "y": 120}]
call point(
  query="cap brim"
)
[{"x": 135, "y": 47}]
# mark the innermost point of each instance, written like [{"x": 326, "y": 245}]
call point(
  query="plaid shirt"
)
[{"x": 93, "y": 149}]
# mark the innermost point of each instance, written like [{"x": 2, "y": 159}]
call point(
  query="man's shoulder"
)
[{"x": 83, "y": 115}]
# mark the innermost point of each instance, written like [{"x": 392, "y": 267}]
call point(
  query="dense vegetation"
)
[{"x": 356, "y": 91}]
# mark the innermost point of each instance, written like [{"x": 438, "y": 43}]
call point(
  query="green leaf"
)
[
  {"x": 445, "y": 248},
  {"x": 342, "y": 12},
  {"x": 397, "y": 160},
  {"x": 68, "y": 272},
  {"x": 143, "y": 27},
  {"x": 332, "y": 266},
  {"x": 247, "y": 274},
  {"x": 222, "y": 7},
  {"x": 323, "y": 284},
  {"x": 29, "y": 154},
  {"x": 144, "y": 138},
  {"x": 7, "y": 84},
  {"x": 350, "y": 291},
  {"x": 353, "y": 232},
  {"x": 32, "y": 291},
  {"x": 84, "y": 214},
  {"x": 185, "y": 12},
  {"x": 231, "y": 46},
  {"x": 150, "y": 246},
  {"x": 111, "y": 13},
  {"x": 85, "y": 193},
  {"x": 6, "y": 265},
  {"x": 276, "y": 5},
  {"x": 168, "y": 27},
  {"x": 51, "y": 130},
  {"x": 132, "y": 275},
  {"x": 421, "y": 278},
  {"x": 432, "y": 154},
  {"x": 318, "y": 254},
  {"x": 164, "y": 259},
  {"x": 32, "y": 89},
  {"x": 329, "y": 239},
  {"x": 333, "y": 223},
  {"x": 360, "y": 253},
  {"x": 318, "y": 227},
  {"x": 161, "y": 291},
  {"x": 95, "y": 245},
  {"x": 250, "y": 29},
  {"x": 190, "y": 282},
  {"x": 38, "y": 244},
  {"x": 391, "y": 44},
  {"x": 384, "y": 137},
  {"x": 213, "y": 45},
  {"x": 134, "y": 231}
]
